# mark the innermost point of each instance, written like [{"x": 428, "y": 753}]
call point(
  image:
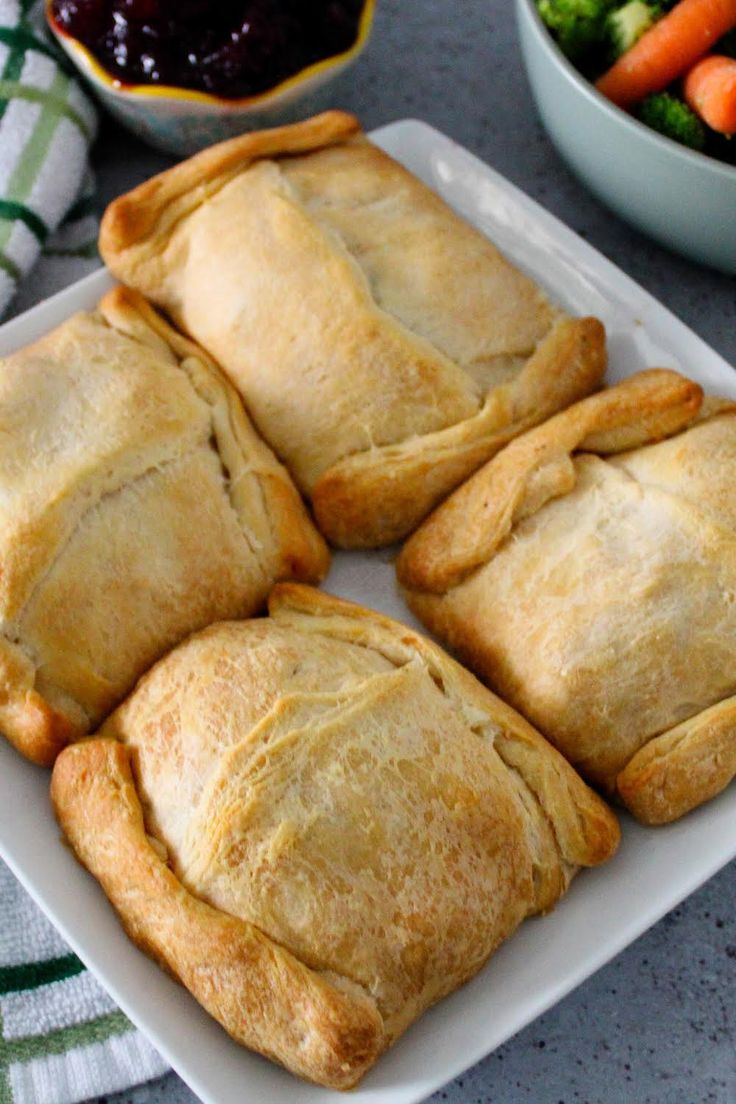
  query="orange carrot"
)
[
  {"x": 667, "y": 50},
  {"x": 710, "y": 90}
]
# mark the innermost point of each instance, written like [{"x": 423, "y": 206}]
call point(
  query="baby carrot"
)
[
  {"x": 667, "y": 50},
  {"x": 710, "y": 90}
]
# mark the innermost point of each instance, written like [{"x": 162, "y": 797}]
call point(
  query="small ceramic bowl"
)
[
  {"x": 181, "y": 121},
  {"x": 682, "y": 199}
]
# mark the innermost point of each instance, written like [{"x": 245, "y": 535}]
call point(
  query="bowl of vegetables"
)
[{"x": 640, "y": 101}]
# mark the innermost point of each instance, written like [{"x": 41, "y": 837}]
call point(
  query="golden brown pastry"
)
[
  {"x": 321, "y": 824},
  {"x": 136, "y": 505},
  {"x": 383, "y": 346},
  {"x": 597, "y": 593}
]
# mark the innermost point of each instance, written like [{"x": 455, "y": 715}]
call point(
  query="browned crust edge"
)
[
  {"x": 262, "y": 995},
  {"x": 301, "y": 552},
  {"x": 27, "y": 720},
  {"x": 464, "y": 533},
  {"x": 134, "y": 216},
  {"x": 682, "y": 768},
  {"x": 378, "y": 497}
]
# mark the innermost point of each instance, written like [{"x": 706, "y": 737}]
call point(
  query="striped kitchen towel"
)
[
  {"x": 46, "y": 126},
  {"x": 62, "y": 1039}
]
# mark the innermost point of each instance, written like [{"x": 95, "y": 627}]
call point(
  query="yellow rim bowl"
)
[{"x": 166, "y": 91}]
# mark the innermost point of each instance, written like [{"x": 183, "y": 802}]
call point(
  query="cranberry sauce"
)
[{"x": 228, "y": 48}]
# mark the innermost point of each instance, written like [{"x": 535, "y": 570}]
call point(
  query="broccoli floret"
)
[
  {"x": 673, "y": 118},
  {"x": 626, "y": 25},
  {"x": 578, "y": 25}
]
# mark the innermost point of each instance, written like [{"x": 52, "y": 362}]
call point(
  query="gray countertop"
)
[{"x": 658, "y": 1024}]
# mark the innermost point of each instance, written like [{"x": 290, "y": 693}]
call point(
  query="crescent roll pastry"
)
[
  {"x": 321, "y": 824},
  {"x": 137, "y": 504},
  {"x": 589, "y": 575},
  {"x": 383, "y": 346}
]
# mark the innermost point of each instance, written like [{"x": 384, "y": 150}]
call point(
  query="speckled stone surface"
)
[{"x": 659, "y": 1023}]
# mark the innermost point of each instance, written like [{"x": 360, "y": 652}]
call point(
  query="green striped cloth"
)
[
  {"x": 61, "y": 1037},
  {"x": 46, "y": 126}
]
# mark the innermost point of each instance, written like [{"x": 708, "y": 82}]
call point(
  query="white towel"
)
[
  {"x": 62, "y": 1039},
  {"x": 46, "y": 126}
]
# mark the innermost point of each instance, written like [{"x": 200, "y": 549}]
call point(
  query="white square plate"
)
[{"x": 605, "y": 909}]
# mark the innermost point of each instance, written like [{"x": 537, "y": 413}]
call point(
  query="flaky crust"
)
[
  {"x": 595, "y": 595},
  {"x": 585, "y": 830},
  {"x": 139, "y": 505},
  {"x": 351, "y": 825},
  {"x": 465, "y": 531},
  {"x": 263, "y": 996},
  {"x": 149, "y": 210},
  {"x": 379, "y": 496},
  {"x": 297, "y": 551},
  {"x": 682, "y": 768},
  {"x": 384, "y": 347}
]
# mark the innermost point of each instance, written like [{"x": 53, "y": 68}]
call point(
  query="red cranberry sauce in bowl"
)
[{"x": 231, "y": 49}]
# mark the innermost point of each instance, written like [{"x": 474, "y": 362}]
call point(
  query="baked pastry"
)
[
  {"x": 321, "y": 824},
  {"x": 384, "y": 347},
  {"x": 137, "y": 504},
  {"x": 597, "y": 593}
]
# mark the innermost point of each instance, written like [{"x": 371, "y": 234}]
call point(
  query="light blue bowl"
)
[{"x": 682, "y": 199}]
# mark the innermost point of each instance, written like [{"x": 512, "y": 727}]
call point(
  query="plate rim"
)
[{"x": 37, "y": 318}]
